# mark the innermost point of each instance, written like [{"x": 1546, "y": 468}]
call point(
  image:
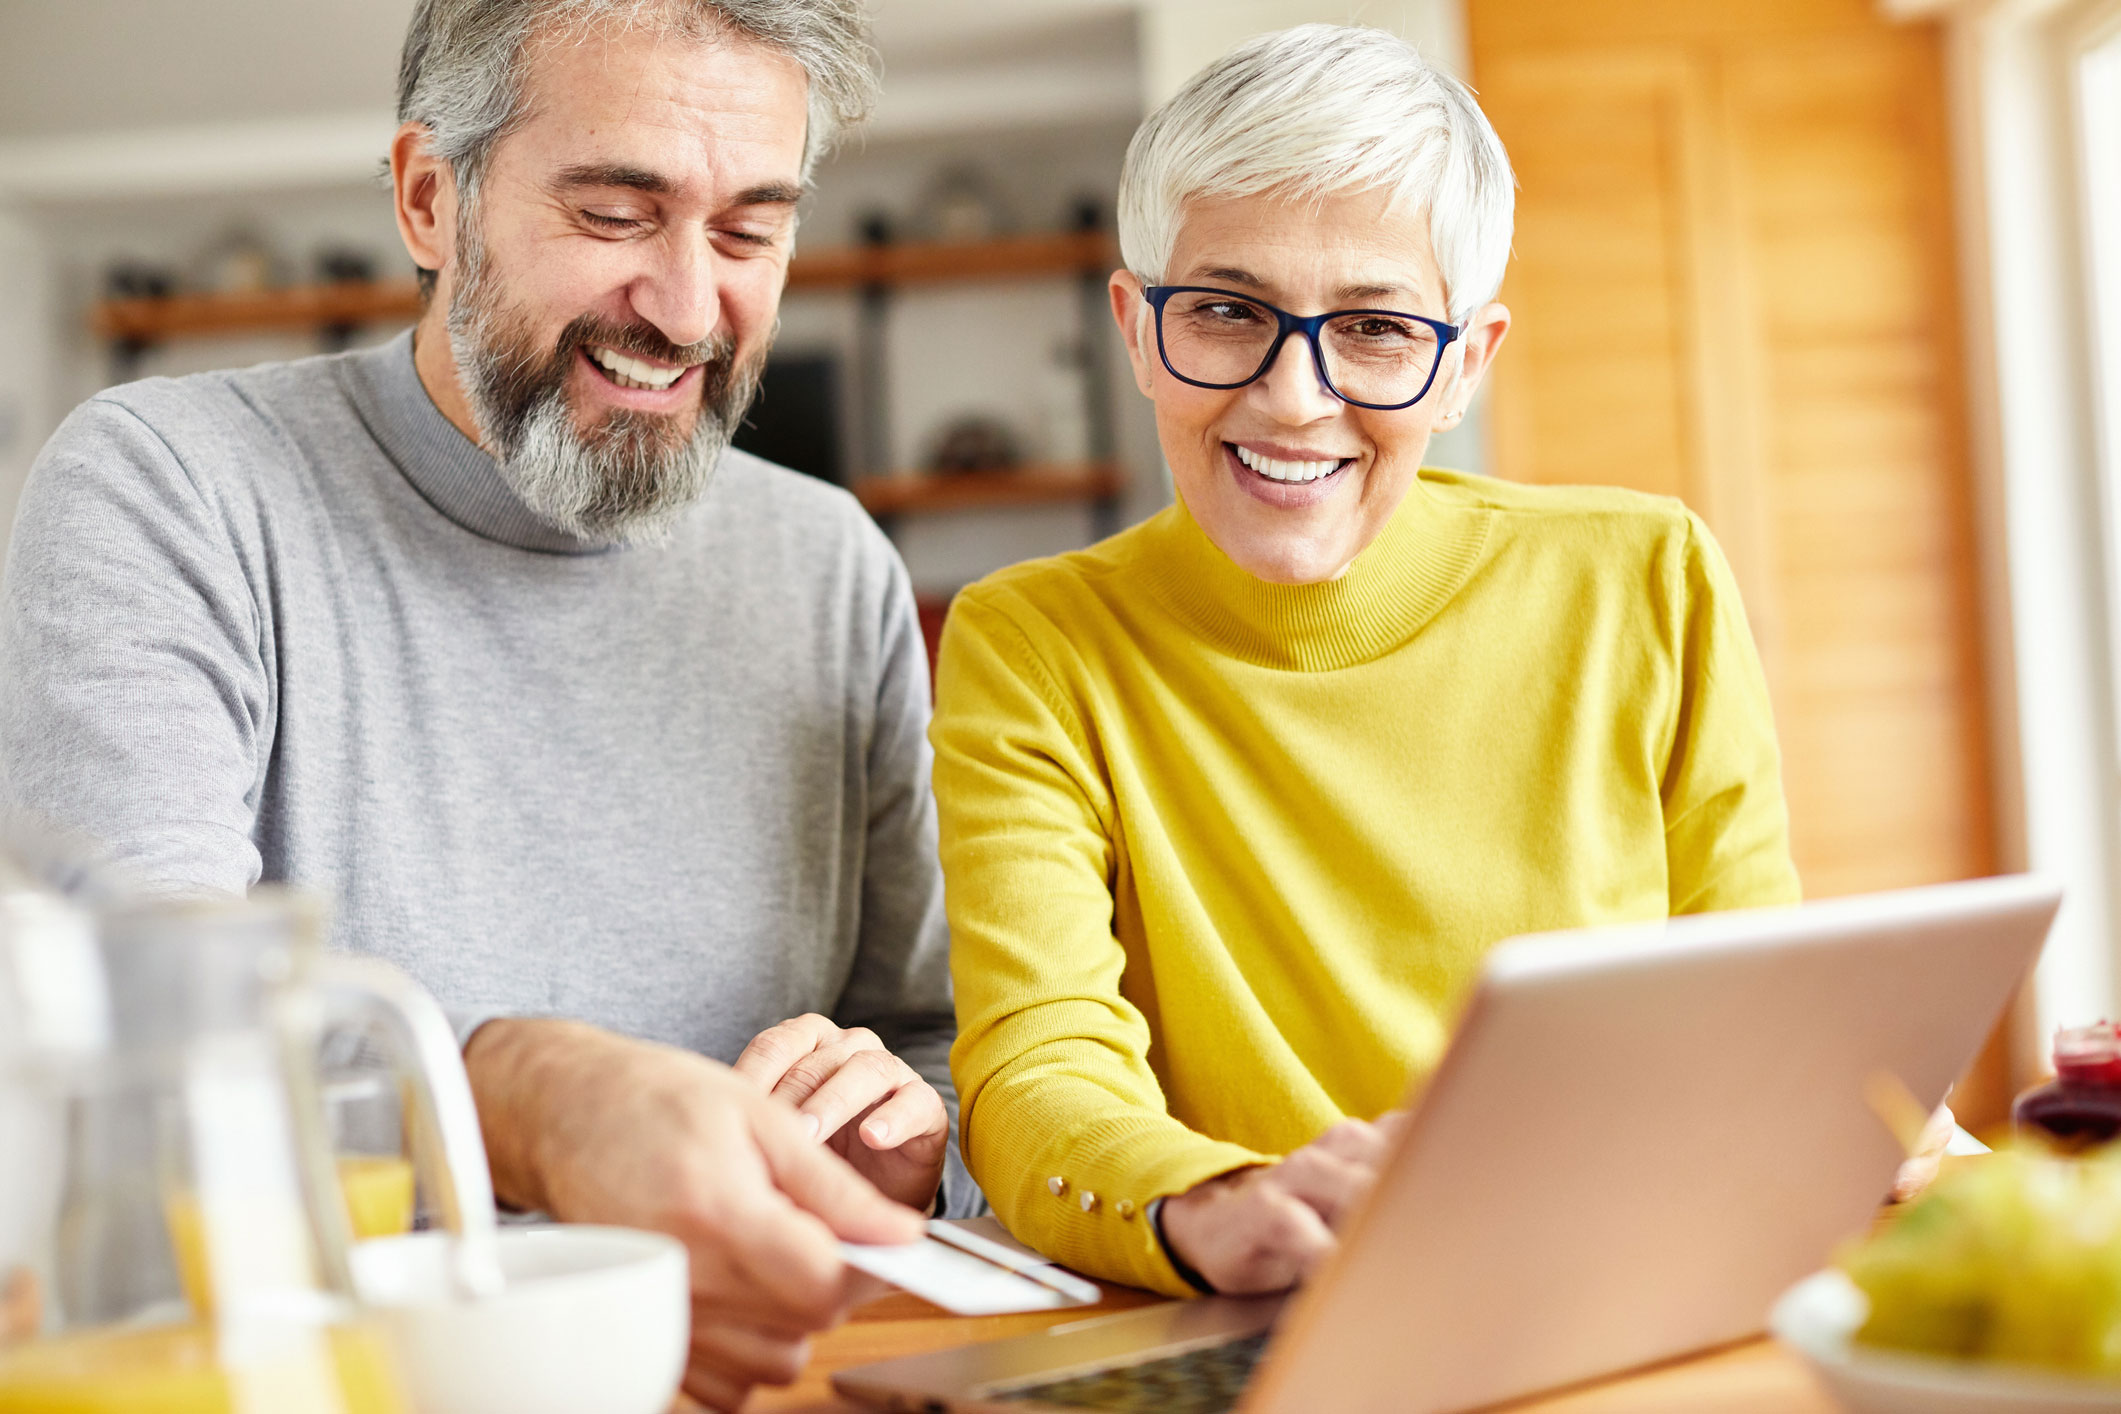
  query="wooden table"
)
[{"x": 1757, "y": 1377}]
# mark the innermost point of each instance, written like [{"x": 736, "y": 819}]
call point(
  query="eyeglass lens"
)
[{"x": 1369, "y": 357}]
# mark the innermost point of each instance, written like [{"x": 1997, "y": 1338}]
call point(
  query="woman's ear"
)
[
  {"x": 424, "y": 197},
  {"x": 1484, "y": 334},
  {"x": 1130, "y": 311}
]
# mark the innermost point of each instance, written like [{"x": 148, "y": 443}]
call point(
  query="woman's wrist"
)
[
  {"x": 1179, "y": 1224},
  {"x": 1178, "y": 1263}
]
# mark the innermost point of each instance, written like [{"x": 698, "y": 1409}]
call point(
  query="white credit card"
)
[
  {"x": 1964, "y": 1144},
  {"x": 970, "y": 1276}
]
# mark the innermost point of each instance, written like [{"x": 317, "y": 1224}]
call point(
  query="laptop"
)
[{"x": 1639, "y": 1136}]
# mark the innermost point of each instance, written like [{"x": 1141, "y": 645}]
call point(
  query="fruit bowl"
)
[{"x": 1819, "y": 1316}]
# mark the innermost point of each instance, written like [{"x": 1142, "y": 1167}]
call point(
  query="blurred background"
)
[{"x": 1845, "y": 275}]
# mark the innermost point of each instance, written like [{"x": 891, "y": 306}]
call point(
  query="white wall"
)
[
  {"x": 82, "y": 66},
  {"x": 26, "y": 334},
  {"x": 1180, "y": 36}
]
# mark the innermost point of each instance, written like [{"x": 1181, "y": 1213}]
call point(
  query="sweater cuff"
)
[
  {"x": 1084, "y": 1200},
  {"x": 466, "y": 1020}
]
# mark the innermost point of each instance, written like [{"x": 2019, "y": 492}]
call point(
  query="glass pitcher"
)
[{"x": 187, "y": 1234}]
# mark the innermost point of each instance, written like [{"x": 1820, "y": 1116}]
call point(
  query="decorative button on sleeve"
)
[
  {"x": 1057, "y": 1186},
  {"x": 1089, "y": 1201}
]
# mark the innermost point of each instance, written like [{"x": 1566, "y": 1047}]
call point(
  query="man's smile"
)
[
  {"x": 642, "y": 384},
  {"x": 631, "y": 371}
]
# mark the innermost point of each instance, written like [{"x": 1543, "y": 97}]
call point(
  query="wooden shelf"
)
[
  {"x": 977, "y": 490},
  {"x": 1064, "y": 253},
  {"x": 150, "y": 320},
  {"x": 306, "y": 307}
]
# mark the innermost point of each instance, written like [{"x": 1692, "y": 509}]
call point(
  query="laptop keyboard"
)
[{"x": 1204, "y": 1381}]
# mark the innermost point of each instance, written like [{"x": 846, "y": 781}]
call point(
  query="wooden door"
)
[{"x": 1734, "y": 283}]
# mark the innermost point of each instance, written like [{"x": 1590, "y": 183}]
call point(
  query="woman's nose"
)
[{"x": 1292, "y": 389}]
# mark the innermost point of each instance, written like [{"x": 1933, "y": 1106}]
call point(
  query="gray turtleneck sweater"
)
[{"x": 289, "y": 624}]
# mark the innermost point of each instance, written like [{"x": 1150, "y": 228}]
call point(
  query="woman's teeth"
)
[
  {"x": 1285, "y": 471},
  {"x": 632, "y": 372}
]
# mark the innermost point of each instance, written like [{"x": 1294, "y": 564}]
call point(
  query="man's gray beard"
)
[{"x": 627, "y": 479}]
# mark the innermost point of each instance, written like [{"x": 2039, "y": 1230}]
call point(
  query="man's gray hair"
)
[
  {"x": 462, "y": 70},
  {"x": 1316, "y": 110}
]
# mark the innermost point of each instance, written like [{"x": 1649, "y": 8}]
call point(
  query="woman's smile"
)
[{"x": 1285, "y": 479}]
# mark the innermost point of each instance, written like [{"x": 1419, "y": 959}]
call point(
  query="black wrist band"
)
[{"x": 1178, "y": 1264}]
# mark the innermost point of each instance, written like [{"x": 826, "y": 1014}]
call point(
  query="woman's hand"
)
[
  {"x": 872, "y": 1108},
  {"x": 1922, "y": 1165},
  {"x": 1264, "y": 1229}
]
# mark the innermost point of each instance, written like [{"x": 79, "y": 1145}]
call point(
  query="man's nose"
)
[
  {"x": 1292, "y": 389},
  {"x": 681, "y": 292}
]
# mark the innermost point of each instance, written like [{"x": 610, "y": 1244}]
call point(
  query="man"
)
[{"x": 611, "y": 736}]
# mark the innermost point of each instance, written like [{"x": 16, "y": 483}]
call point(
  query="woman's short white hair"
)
[{"x": 1320, "y": 109}]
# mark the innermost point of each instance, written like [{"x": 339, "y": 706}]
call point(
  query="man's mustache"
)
[{"x": 644, "y": 340}]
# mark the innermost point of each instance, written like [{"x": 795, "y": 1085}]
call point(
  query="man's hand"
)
[
  {"x": 21, "y": 1307},
  {"x": 872, "y": 1108},
  {"x": 594, "y": 1127},
  {"x": 1263, "y": 1229}
]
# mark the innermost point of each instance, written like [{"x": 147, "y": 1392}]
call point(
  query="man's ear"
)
[
  {"x": 1130, "y": 311},
  {"x": 424, "y": 197}
]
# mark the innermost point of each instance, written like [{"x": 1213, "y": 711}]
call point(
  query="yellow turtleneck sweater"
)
[{"x": 1222, "y": 857}]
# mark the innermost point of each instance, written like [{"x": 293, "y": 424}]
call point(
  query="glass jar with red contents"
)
[{"x": 2081, "y": 1107}]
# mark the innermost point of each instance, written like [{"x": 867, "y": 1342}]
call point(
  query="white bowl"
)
[
  {"x": 593, "y": 1318},
  {"x": 1818, "y": 1316}
]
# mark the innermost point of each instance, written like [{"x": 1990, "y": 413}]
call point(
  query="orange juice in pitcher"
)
[
  {"x": 194, "y": 1256},
  {"x": 183, "y": 1369},
  {"x": 376, "y": 1190},
  {"x": 379, "y": 1194}
]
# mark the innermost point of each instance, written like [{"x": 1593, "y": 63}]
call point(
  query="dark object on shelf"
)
[
  {"x": 136, "y": 279},
  {"x": 974, "y": 444},
  {"x": 795, "y": 420},
  {"x": 239, "y": 262},
  {"x": 961, "y": 205},
  {"x": 1087, "y": 213},
  {"x": 343, "y": 265},
  {"x": 874, "y": 228}
]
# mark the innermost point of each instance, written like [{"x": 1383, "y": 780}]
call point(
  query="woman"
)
[{"x": 1233, "y": 803}]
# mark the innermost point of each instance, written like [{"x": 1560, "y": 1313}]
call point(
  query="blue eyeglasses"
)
[{"x": 1374, "y": 358}]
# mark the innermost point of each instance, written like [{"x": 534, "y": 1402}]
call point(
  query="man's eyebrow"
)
[
  {"x": 618, "y": 174},
  {"x": 614, "y": 174},
  {"x": 769, "y": 194}
]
